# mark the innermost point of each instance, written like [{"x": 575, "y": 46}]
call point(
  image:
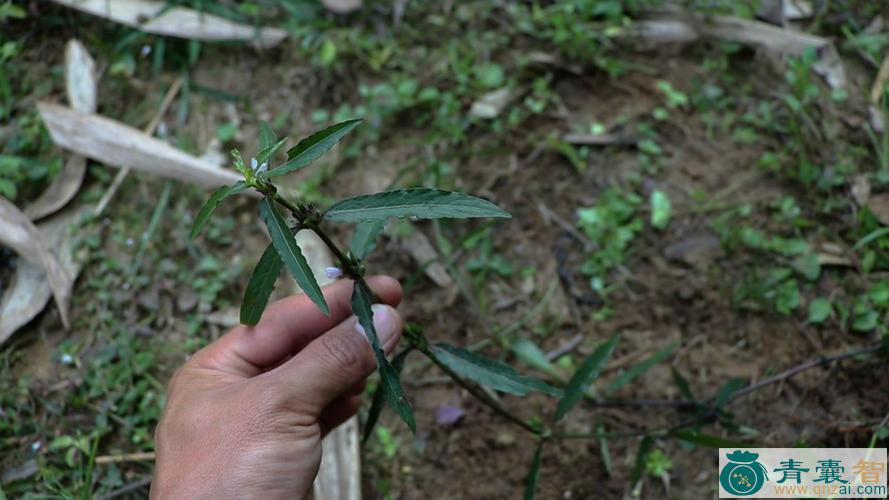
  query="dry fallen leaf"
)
[
  {"x": 860, "y": 189},
  {"x": 82, "y": 89},
  {"x": 491, "y": 104},
  {"x": 114, "y": 143},
  {"x": 38, "y": 267},
  {"x": 161, "y": 19},
  {"x": 342, "y": 6},
  {"x": 879, "y": 205},
  {"x": 682, "y": 27}
]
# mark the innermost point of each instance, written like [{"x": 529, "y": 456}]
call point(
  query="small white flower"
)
[
  {"x": 262, "y": 168},
  {"x": 36, "y": 445},
  {"x": 146, "y": 49},
  {"x": 254, "y": 164},
  {"x": 333, "y": 272},
  {"x": 67, "y": 359}
]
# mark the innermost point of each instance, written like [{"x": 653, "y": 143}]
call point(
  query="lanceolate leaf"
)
[
  {"x": 261, "y": 285},
  {"x": 422, "y": 203},
  {"x": 637, "y": 370},
  {"x": 489, "y": 372},
  {"x": 290, "y": 253},
  {"x": 266, "y": 154},
  {"x": 533, "y": 473},
  {"x": 389, "y": 379},
  {"x": 214, "y": 201},
  {"x": 711, "y": 441},
  {"x": 365, "y": 238},
  {"x": 267, "y": 136},
  {"x": 379, "y": 397},
  {"x": 585, "y": 375},
  {"x": 641, "y": 457},
  {"x": 310, "y": 148}
]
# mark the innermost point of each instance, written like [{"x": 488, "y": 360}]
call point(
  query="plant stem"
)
[
  {"x": 354, "y": 272},
  {"x": 480, "y": 395}
]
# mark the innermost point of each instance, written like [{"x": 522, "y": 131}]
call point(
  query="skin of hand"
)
[{"x": 245, "y": 415}]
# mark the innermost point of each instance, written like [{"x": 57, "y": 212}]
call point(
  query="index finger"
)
[{"x": 286, "y": 327}]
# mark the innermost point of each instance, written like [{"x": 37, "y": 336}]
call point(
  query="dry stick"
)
[
  {"x": 126, "y": 457},
  {"x": 136, "y": 485},
  {"x": 149, "y": 130},
  {"x": 710, "y": 415}
]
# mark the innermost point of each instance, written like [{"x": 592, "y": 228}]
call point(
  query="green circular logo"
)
[{"x": 742, "y": 475}]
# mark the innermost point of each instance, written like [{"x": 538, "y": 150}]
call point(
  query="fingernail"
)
[{"x": 385, "y": 322}]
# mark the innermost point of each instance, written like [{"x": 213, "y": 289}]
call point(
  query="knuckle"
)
[{"x": 349, "y": 353}]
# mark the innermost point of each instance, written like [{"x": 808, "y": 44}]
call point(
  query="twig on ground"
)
[
  {"x": 144, "y": 456},
  {"x": 149, "y": 129},
  {"x": 136, "y": 485}
]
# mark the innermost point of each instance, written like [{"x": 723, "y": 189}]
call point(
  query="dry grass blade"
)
[
  {"x": 82, "y": 88},
  {"x": 154, "y": 17},
  {"x": 114, "y": 143},
  {"x": 18, "y": 233}
]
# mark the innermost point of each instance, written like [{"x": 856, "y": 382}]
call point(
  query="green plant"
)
[{"x": 369, "y": 213}]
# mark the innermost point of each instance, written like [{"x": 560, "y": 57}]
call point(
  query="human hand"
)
[{"x": 245, "y": 415}]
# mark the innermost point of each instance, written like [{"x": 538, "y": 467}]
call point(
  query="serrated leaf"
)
[
  {"x": 585, "y": 375},
  {"x": 638, "y": 369},
  {"x": 261, "y": 285},
  {"x": 533, "y": 473},
  {"x": 364, "y": 239},
  {"x": 379, "y": 397},
  {"x": 267, "y": 153},
  {"x": 422, "y": 203},
  {"x": 312, "y": 147},
  {"x": 267, "y": 136},
  {"x": 362, "y": 300},
  {"x": 290, "y": 253},
  {"x": 489, "y": 372},
  {"x": 710, "y": 441},
  {"x": 213, "y": 202}
]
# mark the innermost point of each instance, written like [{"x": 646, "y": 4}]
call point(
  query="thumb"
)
[{"x": 335, "y": 362}]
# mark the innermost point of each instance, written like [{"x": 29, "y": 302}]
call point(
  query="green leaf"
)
[
  {"x": 531, "y": 354},
  {"x": 379, "y": 397},
  {"x": 682, "y": 384},
  {"x": 641, "y": 458},
  {"x": 489, "y": 372},
  {"x": 710, "y": 441},
  {"x": 312, "y": 147},
  {"x": 290, "y": 253},
  {"x": 364, "y": 239},
  {"x": 261, "y": 285},
  {"x": 638, "y": 369},
  {"x": 808, "y": 265},
  {"x": 362, "y": 300},
  {"x": 533, "y": 473},
  {"x": 819, "y": 310},
  {"x": 585, "y": 375},
  {"x": 422, "y": 203},
  {"x": 725, "y": 392},
  {"x": 661, "y": 209},
  {"x": 214, "y": 201},
  {"x": 267, "y": 136},
  {"x": 267, "y": 153}
]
